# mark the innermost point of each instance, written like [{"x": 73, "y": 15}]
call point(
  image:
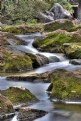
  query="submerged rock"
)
[
  {"x": 65, "y": 85},
  {"x": 27, "y": 114}
]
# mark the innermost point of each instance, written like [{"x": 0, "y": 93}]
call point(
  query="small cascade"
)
[{"x": 29, "y": 39}]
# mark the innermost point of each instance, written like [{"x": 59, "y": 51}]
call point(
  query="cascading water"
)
[{"x": 57, "y": 61}]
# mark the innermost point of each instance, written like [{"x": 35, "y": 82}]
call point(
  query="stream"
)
[{"x": 55, "y": 113}]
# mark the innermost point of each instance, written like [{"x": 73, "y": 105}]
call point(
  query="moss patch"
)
[
  {"x": 16, "y": 63},
  {"x": 18, "y": 29},
  {"x": 73, "y": 51},
  {"x": 65, "y": 85},
  {"x": 17, "y": 95}
]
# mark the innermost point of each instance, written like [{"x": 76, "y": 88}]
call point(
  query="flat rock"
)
[{"x": 27, "y": 114}]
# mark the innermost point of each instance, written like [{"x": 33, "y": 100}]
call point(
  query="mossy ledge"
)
[
  {"x": 22, "y": 29},
  {"x": 65, "y": 85},
  {"x": 63, "y": 24}
]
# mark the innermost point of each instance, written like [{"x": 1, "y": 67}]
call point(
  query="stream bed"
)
[{"x": 55, "y": 112}]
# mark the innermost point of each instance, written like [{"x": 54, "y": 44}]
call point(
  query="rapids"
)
[{"x": 39, "y": 89}]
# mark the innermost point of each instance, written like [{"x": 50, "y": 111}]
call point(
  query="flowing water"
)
[{"x": 55, "y": 112}]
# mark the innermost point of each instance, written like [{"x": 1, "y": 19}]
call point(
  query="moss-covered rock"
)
[
  {"x": 15, "y": 63},
  {"x": 73, "y": 51},
  {"x": 65, "y": 85},
  {"x": 18, "y": 95},
  {"x": 5, "y": 105},
  {"x": 63, "y": 24},
  {"x": 18, "y": 29},
  {"x": 53, "y": 41}
]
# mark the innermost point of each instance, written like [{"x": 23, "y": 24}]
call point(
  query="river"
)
[{"x": 55, "y": 112}]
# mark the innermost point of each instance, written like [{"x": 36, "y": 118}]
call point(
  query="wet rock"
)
[
  {"x": 27, "y": 114},
  {"x": 75, "y": 61},
  {"x": 24, "y": 77},
  {"x": 38, "y": 60},
  {"x": 6, "y": 116}
]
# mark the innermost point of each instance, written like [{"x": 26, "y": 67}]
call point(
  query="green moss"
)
[
  {"x": 73, "y": 51},
  {"x": 17, "y": 95},
  {"x": 65, "y": 85},
  {"x": 18, "y": 29},
  {"x": 59, "y": 24},
  {"x": 16, "y": 63},
  {"x": 53, "y": 41}
]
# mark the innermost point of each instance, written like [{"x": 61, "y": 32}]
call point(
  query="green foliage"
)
[{"x": 25, "y": 10}]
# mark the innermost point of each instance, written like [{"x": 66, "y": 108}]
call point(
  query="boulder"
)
[
  {"x": 56, "y": 12},
  {"x": 38, "y": 60},
  {"x": 60, "y": 12},
  {"x": 27, "y": 114},
  {"x": 65, "y": 85}
]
